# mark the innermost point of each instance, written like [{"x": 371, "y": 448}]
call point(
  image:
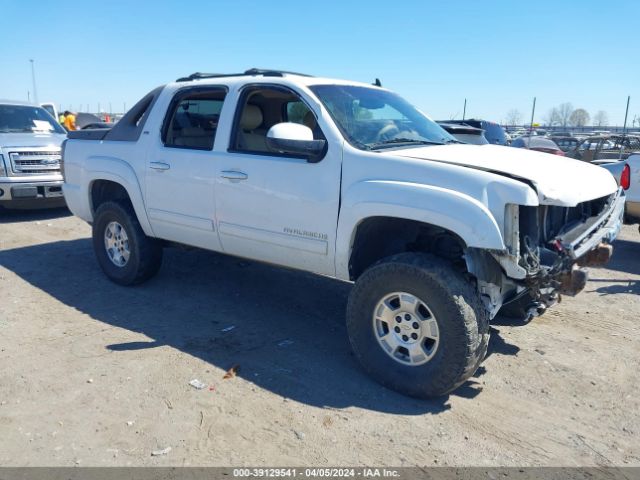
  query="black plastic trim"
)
[
  {"x": 130, "y": 127},
  {"x": 88, "y": 134}
]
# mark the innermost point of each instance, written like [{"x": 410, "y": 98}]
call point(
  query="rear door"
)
[{"x": 180, "y": 169}]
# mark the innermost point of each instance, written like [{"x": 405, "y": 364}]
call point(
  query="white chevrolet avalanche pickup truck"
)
[{"x": 348, "y": 180}]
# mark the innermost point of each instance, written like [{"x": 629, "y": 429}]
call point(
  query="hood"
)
[
  {"x": 557, "y": 180},
  {"x": 31, "y": 139}
]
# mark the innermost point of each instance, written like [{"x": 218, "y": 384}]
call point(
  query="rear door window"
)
[{"x": 192, "y": 119}]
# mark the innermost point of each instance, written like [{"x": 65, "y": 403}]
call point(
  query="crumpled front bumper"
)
[
  {"x": 604, "y": 228},
  {"x": 587, "y": 244}
]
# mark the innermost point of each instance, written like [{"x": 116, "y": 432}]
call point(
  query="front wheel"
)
[
  {"x": 417, "y": 325},
  {"x": 125, "y": 254}
]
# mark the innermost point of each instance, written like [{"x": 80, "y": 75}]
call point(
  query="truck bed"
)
[{"x": 89, "y": 134}]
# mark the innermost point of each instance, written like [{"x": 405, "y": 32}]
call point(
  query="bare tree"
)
[
  {"x": 579, "y": 117},
  {"x": 601, "y": 118},
  {"x": 514, "y": 117},
  {"x": 564, "y": 113},
  {"x": 552, "y": 118}
]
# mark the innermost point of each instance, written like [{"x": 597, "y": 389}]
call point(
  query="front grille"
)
[
  {"x": 35, "y": 162},
  {"x": 556, "y": 220}
]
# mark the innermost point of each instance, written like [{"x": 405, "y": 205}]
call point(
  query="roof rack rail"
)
[
  {"x": 201, "y": 76},
  {"x": 268, "y": 72},
  {"x": 251, "y": 72}
]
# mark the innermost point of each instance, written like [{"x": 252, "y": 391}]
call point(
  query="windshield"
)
[
  {"x": 374, "y": 119},
  {"x": 23, "y": 118}
]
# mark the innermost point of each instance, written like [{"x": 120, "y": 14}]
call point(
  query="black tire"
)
[
  {"x": 462, "y": 320},
  {"x": 145, "y": 253}
]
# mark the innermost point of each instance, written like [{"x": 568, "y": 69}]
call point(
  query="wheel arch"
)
[
  {"x": 379, "y": 237},
  {"x": 411, "y": 207},
  {"x": 114, "y": 179}
]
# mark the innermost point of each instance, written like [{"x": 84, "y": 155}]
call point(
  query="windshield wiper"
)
[{"x": 398, "y": 141}]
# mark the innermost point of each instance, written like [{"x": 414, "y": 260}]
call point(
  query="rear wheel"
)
[
  {"x": 417, "y": 325},
  {"x": 125, "y": 254}
]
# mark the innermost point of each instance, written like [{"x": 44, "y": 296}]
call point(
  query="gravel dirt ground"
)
[{"x": 97, "y": 375}]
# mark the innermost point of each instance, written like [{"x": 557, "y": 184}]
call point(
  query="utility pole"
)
[
  {"x": 33, "y": 78},
  {"x": 624, "y": 127},
  {"x": 464, "y": 110},
  {"x": 626, "y": 114},
  {"x": 533, "y": 111}
]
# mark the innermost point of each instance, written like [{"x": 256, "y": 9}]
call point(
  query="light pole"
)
[
  {"x": 533, "y": 111},
  {"x": 33, "y": 78}
]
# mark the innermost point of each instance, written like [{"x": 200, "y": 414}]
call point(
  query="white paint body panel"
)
[
  {"x": 558, "y": 180},
  {"x": 283, "y": 207}
]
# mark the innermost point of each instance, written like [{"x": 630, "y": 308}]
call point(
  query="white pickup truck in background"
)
[
  {"x": 632, "y": 207},
  {"x": 348, "y": 180}
]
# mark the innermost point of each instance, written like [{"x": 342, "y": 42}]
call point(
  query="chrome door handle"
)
[
  {"x": 234, "y": 175},
  {"x": 159, "y": 166}
]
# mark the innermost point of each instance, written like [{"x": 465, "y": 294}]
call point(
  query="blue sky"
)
[{"x": 498, "y": 55}]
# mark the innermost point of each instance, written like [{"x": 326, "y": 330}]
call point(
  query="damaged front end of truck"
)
[{"x": 548, "y": 247}]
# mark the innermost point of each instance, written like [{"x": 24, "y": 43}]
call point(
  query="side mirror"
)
[{"x": 295, "y": 139}]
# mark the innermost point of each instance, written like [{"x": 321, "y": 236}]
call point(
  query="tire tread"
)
[
  {"x": 470, "y": 346},
  {"x": 147, "y": 250}
]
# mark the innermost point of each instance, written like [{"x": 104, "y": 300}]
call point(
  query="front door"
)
[
  {"x": 181, "y": 169},
  {"x": 275, "y": 207}
]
